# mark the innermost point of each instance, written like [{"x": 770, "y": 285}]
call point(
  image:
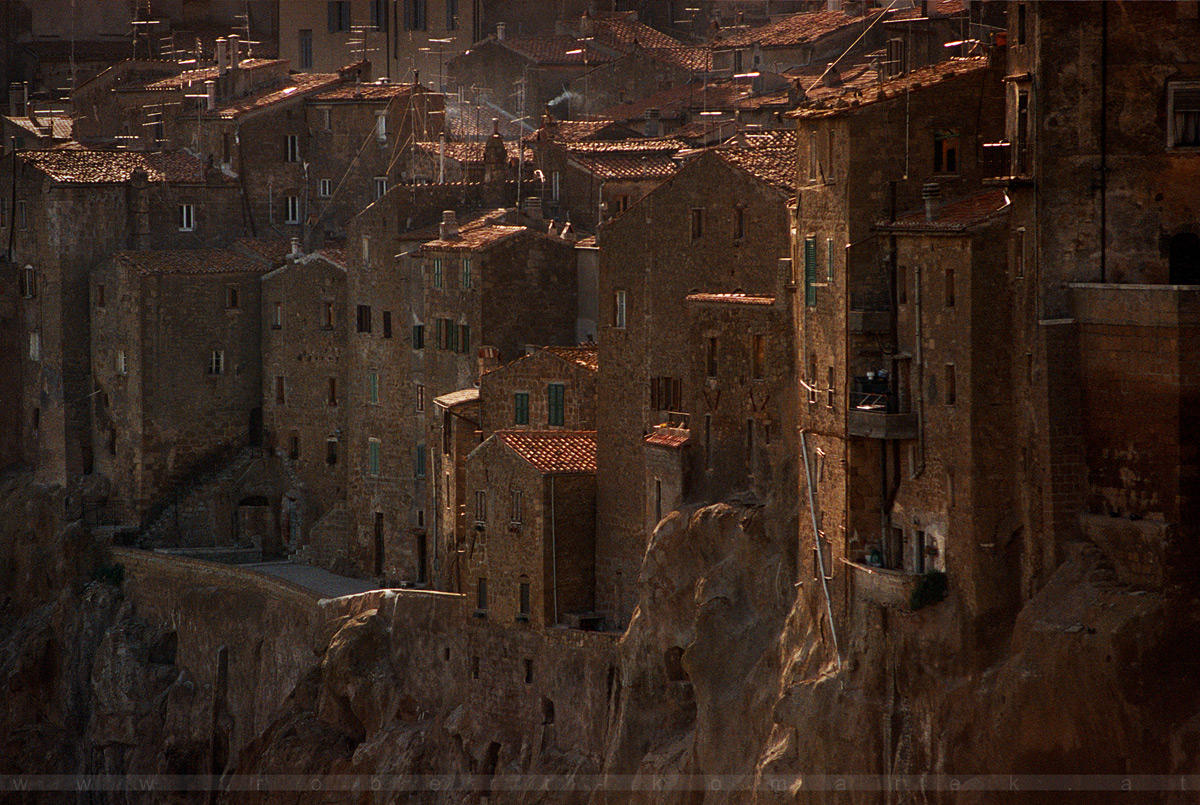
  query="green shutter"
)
[
  {"x": 810, "y": 271},
  {"x": 466, "y": 339},
  {"x": 521, "y": 408},
  {"x": 373, "y": 457},
  {"x": 420, "y": 461},
  {"x": 554, "y": 394}
]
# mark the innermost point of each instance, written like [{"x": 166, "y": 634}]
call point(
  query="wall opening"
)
[
  {"x": 1184, "y": 259},
  {"x": 547, "y": 711},
  {"x": 673, "y": 665}
]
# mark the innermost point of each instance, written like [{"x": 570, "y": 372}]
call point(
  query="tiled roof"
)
[
  {"x": 190, "y": 261},
  {"x": 474, "y": 238},
  {"x": 77, "y": 166},
  {"x": 669, "y": 437},
  {"x": 457, "y": 398},
  {"x": 365, "y": 92},
  {"x": 469, "y": 153},
  {"x": 622, "y": 29},
  {"x": 555, "y": 50},
  {"x": 957, "y": 214},
  {"x": 334, "y": 254},
  {"x": 713, "y": 96},
  {"x": 940, "y": 8},
  {"x": 586, "y": 355},
  {"x": 732, "y": 298},
  {"x": 586, "y": 243},
  {"x": 300, "y": 84},
  {"x": 573, "y": 131},
  {"x": 627, "y": 159},
  {"x": 692, "y": 59},
  {"x": 200, "y": 75},
  {"x": 56, "y": 128},
  {"x": 273, "y": 250},
  {"x": 796, "y": 29},
  {"x": 849, "y": 98},
  {"x": 554, "y": 452},
  {"x": 472, "y": 220},
  {"x": 466, "y": 121},
  {"x": 773, "y": 164}
]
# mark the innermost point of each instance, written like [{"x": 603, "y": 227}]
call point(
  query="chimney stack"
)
[
  {"x": 533, "y": 208},
  {"x": 500, "y": 31},
  {"x": 296, "y": 248},
  {"x": 235, "y": 57},
  {"x": 931, "y": 193},
  {"x": 210, "y": 91},
  {"x": 449, "y": 226},
  {"x": 653, "y": 127},
  {"x": 222, "y": 56}
]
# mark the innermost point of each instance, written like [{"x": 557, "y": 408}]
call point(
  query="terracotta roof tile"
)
[
  {"x": 774, "y": 164},
  {"x": 692, "y": 59},
  {"x": 586, "y": 355},
  {"x": 190, "y": 261},
  {"x": 335, "y": 255},
  {"x": 669, "y": 437},
  {"x": 957, "y": 214},
  {"x": 472, "y": 238},
  {"x": 796, "y": 29},
  {"x": 81, "y": 166},
  {"x": 571, "y": 131},
  {"x": 365, "y": 92},
  {"x": 732, "y": 298},
  {"x": 555, "y": 50},
  {"x": 199, "y": 75},
  {"x": 851, "y": 97},
  {"x": 457, "y": 398},
  {"x": 554, "y": 452},
  {"x": 273, "y": 250},
  {"x": 713, "y": 96},
  {"x": 299, "y": 85},
  {"x": 469, "y": 153},
  {"x": 621, "y": 29},
  {"x": 627, "y": 159}
]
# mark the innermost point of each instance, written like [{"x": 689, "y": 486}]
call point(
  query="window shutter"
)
[{"x": 810, "y": 271}]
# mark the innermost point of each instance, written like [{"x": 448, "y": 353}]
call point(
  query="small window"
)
[
  {"x": 232, "y": 298},
  {"x": 475, "y": 667},
  {"x": 381, "y": 186},
  {"x": 812, "y": 379},
  {"x": 28, "y": 283},
  {"x": 810, "y": 271},
  {"x": 619, "y": 311},
  {"x": 419, "y": 462},
  {"x": 464, "y": 339},
  {"x": 216, "y": 362},
  {"x": 528, "y": 671},
  {"x": 35, "y": 346},
  {"x": 22, "y": 215},
  {"x": 481, "y": 603},
  {"x": 418, "y": 336},
  {"x": 949, "y": 287},
  {"x": 373, "y": 388},
  {"x": 451, "y": 15},
  {"x": 325, "y": 186},
  {"x": 902, "y": 285},
  {"x": 480, "y": 506},
  {"x": 332, "y": 396},
  {"x": 291, "y": 147},
  {"x": 122, "y": 363},
  {"x": 523, "y": 601},
  {"x": 373, "y": 449},
  {"x": 420, "y": 397},
  {"x": 327, "y": 315},
  {"x": 339, "y": 16},
  {"x": 1022, "y": 17},
  {"x": 466, "y": 272},
  {"x": 697, "y": 223},
  {"x": 759, "y": 356},
  {"x": 280, "y": 391},
  {"x": 277, "y": 316},
  {"x": 555, "y": 404},
  {"x": 364, "y": 318},
  {"x": 305, "y": 47},
  {"x": 518, "y": 505},
  {"x": 379, "y": 15},
  {"x": 291, "y": 210},
  {"x": 829, "y": 259},
  {"x": 381, "y": 131},
  {"x": 1184, "y": 116},
  {"x": 739, "y": 223},
  {"x": 951, "y": 390},
  {"x": 331, "y": 452},
  {"x": 710, "y": 362},
  {"x": 187, "y": 217},
  {"x": 521, "y": 408},
  {"x": 294, "y": 447},
  {"x": 945, "y": 153},
  {"x": 894, "y": 60},
  {"x": 387, "y": 324},
  {"x": 437, "y": 272},
  {"x": 100, "y": 295}
]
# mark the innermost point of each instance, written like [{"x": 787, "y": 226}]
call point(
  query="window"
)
[
  {"x": 291, "y": 147},
  {"x": 1184, "y": 115},
  {"x": 280, "y": 393},
  {"x": 373, "y": 388},
  {"x": 475, "y": 667},
  {"x": 464, "y": 339},
  {"x": 902, "y": 285},
  {"x": 419, "y": 462},
  {"x": 945, "y": 152},
  {"x": 100, "y": 295},
  {"x": 619, "y": 311},
  {"x": 739, "y": 223},
  {"x": 810, "y": 272},
  {"x": 666, "y": 394},
  {"x": 373, "y": 445},
  {"x": 414, "y": 15},
  {"x": 294, "y": 447},
  {"x": 951, "y": 391},
  {"x": 3, "y": 213},
  {"x": 387, "y": 324},
  {"x": 277, "y": 316},
  {"x": 466, "y": 272},
  {"x": 291, "y": 210},
  {"x": 447, "y": 441},
  {"x": 658, "y": 507},
  {"x": 759, "y": 356},
  {"x": 339, "y": 16},
  {"x": 305, "y": 49},
  {"x": 22, "y": 215},
  {"x": 451, "y": 15},
  {"x": 379, "y": 15},
  {"x": 894, "y": 60},
  {"x": 697, "y": 223},
  {"x": 480, "y": 506},
  {"x": 829, "y": 388},
  {"x": 812, "y": 379},
  {"x": 420, "y": 397},
  {"x": 1020, "y": 150},
  {"x": 122, "y": 364},
  {"x": 949, "y": 287},
  {"x": 418, "y": 336},
  {"x": 28, "y": 282},
  {"x": 232, "y": 297},
  {"x": 437, "y": 272},
  {"x": 521, "y": 408},
  {"x": 381, "y": 126},
  {"x": 332, "y": 395},
  {"x": 518, "y": 505},
  {"x": 327, "y": 315},
  {"x": 523, "y": 602},
  {"x": 555, "y": 185},
  {"x": 187, "y": 217},
  {"x": 554, "y": 404},
  {"x": 364, "y": 318},
  {"x": 481, "y": 605},
  {"x": 35, "y": 346},
  {"x": 216, "y": 362},
  {"x": 528, "y": 671},
  {"x": 324, "y": 188},
  {"x": 381, "y": 186},
  {"x": 829, "y": 259},
  {"x": 366, "y": 250},
  {"x": 710, "y": 362},
  {"x": 331, "y": 452},
  {"x": 1022, "y": 13}
]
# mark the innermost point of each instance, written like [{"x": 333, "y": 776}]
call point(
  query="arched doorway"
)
[{"x": 1184, "y": 259}]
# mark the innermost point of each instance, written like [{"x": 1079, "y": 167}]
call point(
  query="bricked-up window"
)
[
  {"x": 332, "y": 396},
  {"x": 902, "y": 285},
  {"x": 305, "y": 48},
  {"x": 379, "y": 15},
  {"x": 464, "y": 338},
  {"x": 555, "y": 394},
  {"x": 480, "y": 506},
  {"x": 276, "y": 315},
  {"x": 710, "y": 358},
  {"x": 339, "y": 16},
  {"x": 187, "y": 217},
  {"x": 373, "y": 388},
  {"x": 523, "y": 601},
  {"x": 419, "y": 461},
  {"x": 810, "y": 272},
  {"x": 232, "y": 298},
  {"x": 373, "y": 450},
  {"x": 327, "y": 315},
  {"x": 697, "y": 225},
  {"x": 363, "y": 321},
  {"x": 324, "y": 187},
  {"x": 437, "y": 272},
  {"x": 619, "y": 310},
  {"x": 420, "y": 396},
  {"x": 216, "y": 362},
  {"x": 951, "y": 390},
  {"x": 1183, "y": 103},
  {"x": 949, "y": 287},
  {"x": 945, "y": 152},
  {"x": 518, "y": 506},
  {"x": 521, "y": 408},
  {"x": 291, "y": 147},
  {"x": 387, "y": 324},
  {"x": 666, "y": 394},
  {"x": 291, "y": 210},
  {"x": 280, "y": 391},
  {"x": 100, "y": 301},
  {"x": 758, "y": 356},
  {"x": 294, "y": 447},
  {"x": 331, "y": 452},
  {"x": 739, "y": 223},
  {"x": 122, "y": 363},
  {"x": 418, "y": 336},
  {"x": 466, "y": 272},
  {"x": 481, "y": 605},
  {"x": 22, "y": 215},
  {"x": 28, "y": 282}
]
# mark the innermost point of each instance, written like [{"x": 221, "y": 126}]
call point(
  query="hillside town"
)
[{"x": 494, "y": 320}]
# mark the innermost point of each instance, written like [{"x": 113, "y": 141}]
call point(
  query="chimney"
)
[
  {"x": 442, "y": 158},
  {"x": 222, "y": 56},
  {"x": 235, "y": 58},
  {"x": 489, "y": 359},
  {"x": 449, "y": 226},
  {"x": 25, "y": 98},
  {"x": 500, "y": 31},
  {"x": 210, "y": 91},
  {"x": 833, "y": 5},
  {"x": 296, "y": 248},
  {"x": 931, "y": 194},
  {"x": 533, "y": 208},
  {"x": 653, "y": 127},
  {"x": 831, "y": 78}
]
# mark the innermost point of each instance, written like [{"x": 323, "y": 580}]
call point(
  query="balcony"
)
[
  {"x": 873, "y": 413},
  {"x": 896, "y": 589},
  {"x": 869, "y": 314}
]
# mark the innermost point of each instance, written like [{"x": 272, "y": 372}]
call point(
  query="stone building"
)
[
  {"x": 796, "y": 40},
  {"x": 552, "y": 387},
  {"x": 529, "y": 548},
  {"x": 304, "y": 387},
  {"x": 175, "y": 365},
  {"x": 718, "y": 226},
  {"x": 455, "y": 162},
  {"x": 636, "y": 74},
  {"x": 457, "y": 429},
  {"x": 73, "y": 209}
]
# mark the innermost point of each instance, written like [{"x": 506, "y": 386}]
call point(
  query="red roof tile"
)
[
  {"x": 366, "y": 92},
  {"x": 669, "y": 437},
  {"x": 469, "y": 153},
  {"x": 732, "y": 298},
  {"x": 571, "y": 131},
  {"x": 797, "y": 29},
  {"x": 471, "y": 238},
  {"x": 199, "y": 75},
  {"x": 957, "y": 214},
  {"x": 190, "y": 261},
  {"x": 457, "y": 398},
  {"x": 80, "y": 166},
  {"x": 554, "y": 452},
  {"x": 849, "y": 98},
  {"x": 298, "y": 86},
  {"x": 774, "y": 164},
  {"x": 555, "y": 50},
  {"x": 273, "y": 250},
  {"x": 627, "y": 159},
  {"x": 622, "y": 29},
  {"x": 586, "y": 355}
]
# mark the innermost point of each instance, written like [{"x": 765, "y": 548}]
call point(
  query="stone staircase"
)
[
  {"x": 328, "y": 540},
  {"x": 184, "y": 516}
]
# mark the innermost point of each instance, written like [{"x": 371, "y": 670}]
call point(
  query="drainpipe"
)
[
  {"x": 920, "y": 366},
  {"x": 1104, "y": 142},
  {"x": 553, "y": 554}
]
